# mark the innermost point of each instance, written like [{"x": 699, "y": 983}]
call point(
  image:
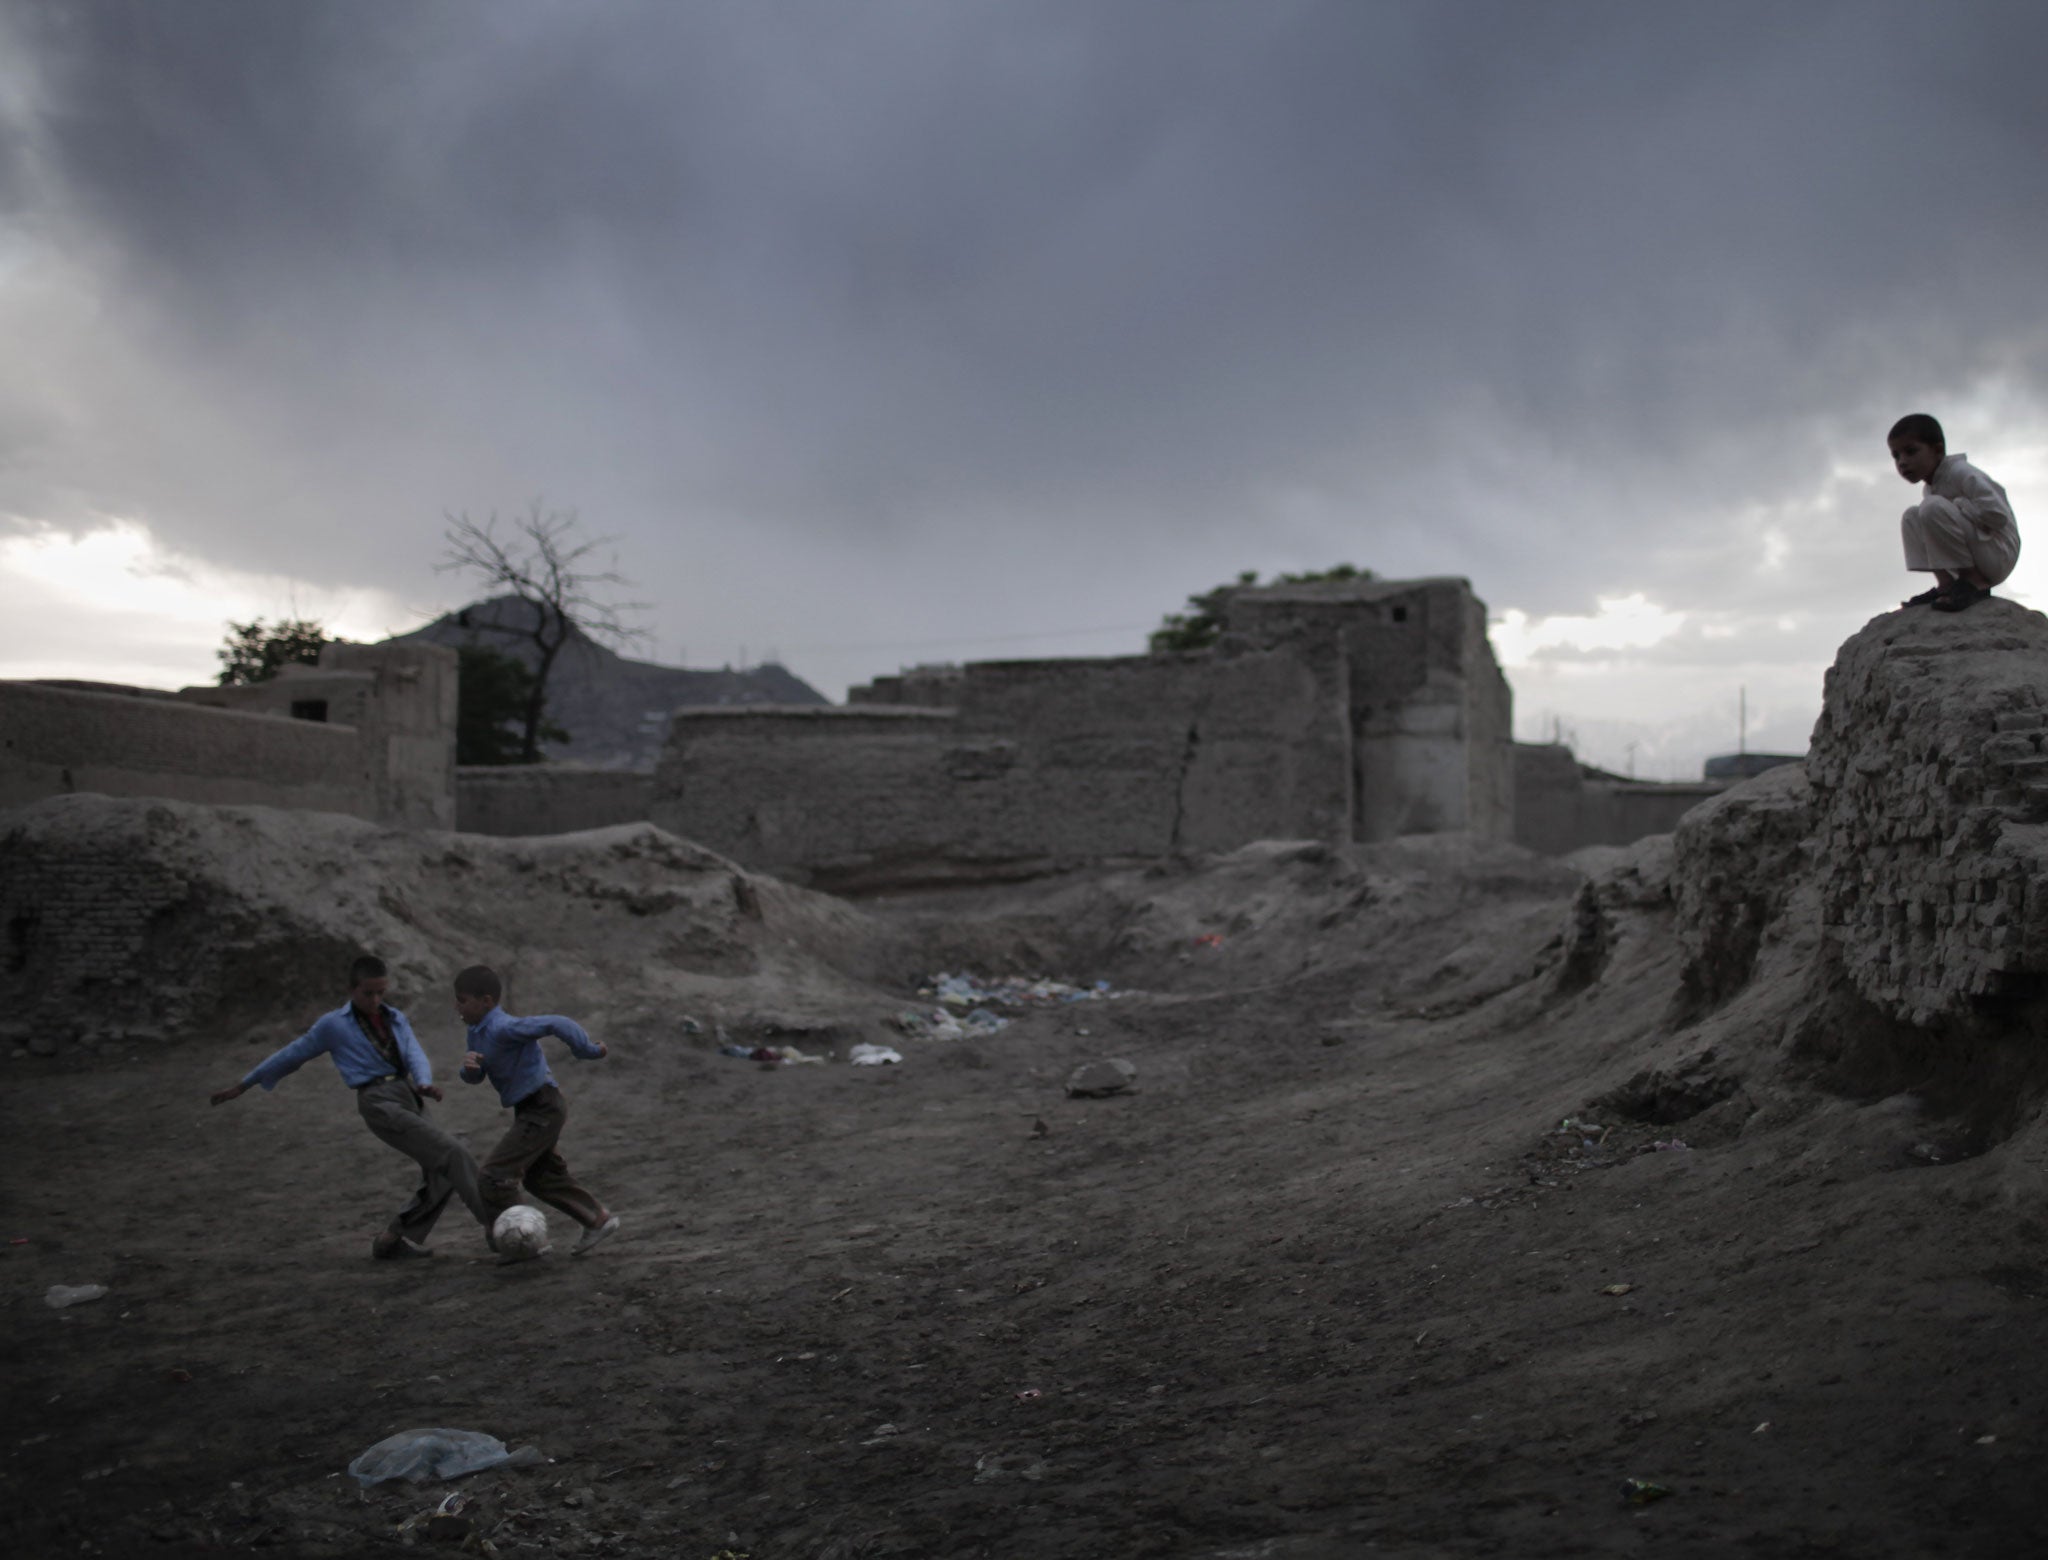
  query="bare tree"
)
[{"x": 542, "y": 562}]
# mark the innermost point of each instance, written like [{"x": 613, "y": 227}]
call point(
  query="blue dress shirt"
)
[
  {"x": 342, "y": 1035},
  {"x": 511, "y": 1051}
]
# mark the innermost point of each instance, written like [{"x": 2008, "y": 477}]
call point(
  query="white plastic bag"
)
[{"x": 437, "y": 1454}]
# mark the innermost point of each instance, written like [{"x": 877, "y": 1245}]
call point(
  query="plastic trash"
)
[
  {"x": 437, "y": 1454},
  {"x": 59, "y": 1296},
  {"x": 1641, "y": 1492},
  {"x": 865, "y": 1055}
]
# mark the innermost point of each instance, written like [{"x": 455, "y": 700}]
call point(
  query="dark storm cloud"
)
[{"x": 1527, "y": 292}]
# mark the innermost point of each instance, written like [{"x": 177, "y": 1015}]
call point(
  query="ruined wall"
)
[
  {"x": 529, "y": 799},
  {"x": 408, "y": 726},
  {"x": 1929, "y": 770},
  {"x": 401, "y": 699},
  {"x": 1338, "y": 711},
  {"x": 59, "y": 740},
  {"x": 1430, "y": 712},
  {"x": 1559, "y": 809},
  {"x": 1043, "y": 763},
  {"x": 370, "y": 731}
]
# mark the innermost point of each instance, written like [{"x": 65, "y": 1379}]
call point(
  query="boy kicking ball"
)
[
  {"x": 1962, "y": 531},
  {"x": 507, "y": 1051}
]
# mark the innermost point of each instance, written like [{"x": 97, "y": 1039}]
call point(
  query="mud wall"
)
[
  {"x": 1043, "y": 763},
  {"x": 529, "y": 799},
  {"x": 401, "y": 700},
  {"x": 1431, "y": 714},
  {"x": 1558, "y": 809},
  {"x": 59, "y": 740}
]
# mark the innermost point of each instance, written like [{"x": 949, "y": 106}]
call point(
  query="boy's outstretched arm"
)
[{"x": 279, "y": 1063}]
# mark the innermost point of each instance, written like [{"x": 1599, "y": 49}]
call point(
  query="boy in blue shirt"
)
[
  {"x": 375, "y": 1053},
  {"x": 507, "y": 1051}
]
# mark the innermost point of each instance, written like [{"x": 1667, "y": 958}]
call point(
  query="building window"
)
[{"x": 309, "y": 709}]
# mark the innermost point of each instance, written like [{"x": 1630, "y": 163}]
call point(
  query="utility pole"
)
[{"x": 1742, "y": 720}]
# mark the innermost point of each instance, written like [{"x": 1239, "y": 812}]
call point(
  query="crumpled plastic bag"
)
[
  {"x": 437, "y": 1454},
  {"x": 865, "y": 1055}
]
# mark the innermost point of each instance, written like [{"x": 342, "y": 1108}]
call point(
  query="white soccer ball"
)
[{"x": 520, "y": 1232}]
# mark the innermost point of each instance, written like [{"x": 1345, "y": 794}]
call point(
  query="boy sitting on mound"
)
[
  {"x": 507, "y": 1051},
  {"x": 1963, "y": 530}
]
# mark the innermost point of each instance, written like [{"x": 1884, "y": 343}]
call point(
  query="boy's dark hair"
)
[
  {"x": 1918, "y": 425},
  {"x": 368, "y": 967},
  {"x": 479, "y": 980}
]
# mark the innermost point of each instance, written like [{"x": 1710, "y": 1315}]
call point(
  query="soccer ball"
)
[{"x": 521, "y": 1232}]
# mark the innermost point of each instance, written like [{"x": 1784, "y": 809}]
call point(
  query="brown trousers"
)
[
  {"x": 527, "y": 1154},
  {"x": 392, "y": 1111}
]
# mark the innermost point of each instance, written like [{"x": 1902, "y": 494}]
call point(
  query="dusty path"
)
[{"x": 1245, "y": 1311}]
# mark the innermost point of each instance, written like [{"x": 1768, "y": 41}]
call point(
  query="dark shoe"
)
[
  {"x": 396, "y": 1248},
  {"x": 1926, "y": 598},
  {"x": 1960, "y": 596}
]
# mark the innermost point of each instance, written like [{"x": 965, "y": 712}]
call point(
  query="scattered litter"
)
[
  {"x": 1098, "y": 1080},
  {"x": 1031, "y": 1393},
  {"x": 1669, "y": 1145},
  {"x": 1760, "y": 1429},
  {"x": 444, "y": 1522},
  {"x": 1641, "y": 1492},
  {"x": 968, "y": 991},
  {"x": 59, "y": 1296},
  {"x": 1008, "y": 1465},
  {"x": 932, "y": 1024},
  {"x": 18, "y": 1240},
  {"x": 1986, "y": 1440},
  {"x": 1927, "y": 1153},
  {"x": 692, "y": 1027},
  {"x": 1618, "y": 1289},
  {"x": 865, "y": 1055},
  {"x": 437, "y": 1454},
  {"x": 1209, "y": 940},
  {"x": 772, "y": 1055}
]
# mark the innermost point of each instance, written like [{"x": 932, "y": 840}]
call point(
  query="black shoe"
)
[
  {"x": 1959, "y": 596},
  {"x": 1926, "y": 598},
  {"x": 396, "y": 1248}
]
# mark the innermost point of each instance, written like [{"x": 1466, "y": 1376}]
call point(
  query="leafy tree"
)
[
  {"x": 490, "y": 710},
  {"x": 255, "y": 652},
  {"x": 541, "y": 564},
  {"x": 1199, "y": 628}
]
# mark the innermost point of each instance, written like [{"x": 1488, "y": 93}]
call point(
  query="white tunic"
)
[{"x": 1965, "y": 521}]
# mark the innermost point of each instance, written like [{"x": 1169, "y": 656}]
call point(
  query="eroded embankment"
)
[
  {"x": 129, "y": 923},
  {"x": 1874, "y": 922}
]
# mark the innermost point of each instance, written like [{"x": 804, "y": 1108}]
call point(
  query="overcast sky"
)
[{"x": 959, "y": 329}]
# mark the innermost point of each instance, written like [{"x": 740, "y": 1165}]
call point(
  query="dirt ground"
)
[{"x": 1329, "y": 1281}]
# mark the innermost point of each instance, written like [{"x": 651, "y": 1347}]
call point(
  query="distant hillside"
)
[{"x": 615, "y": 710}]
